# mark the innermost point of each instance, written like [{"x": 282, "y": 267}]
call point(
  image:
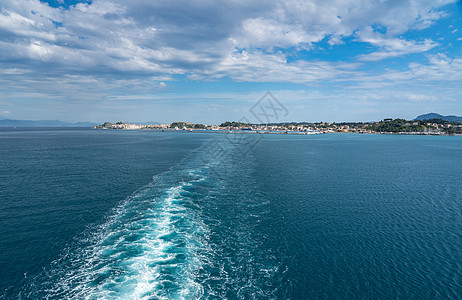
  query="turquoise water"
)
[{"x": 151, "y": 215}]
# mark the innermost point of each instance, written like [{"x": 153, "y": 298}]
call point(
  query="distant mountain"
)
[
  {"x": 438, "y": 116},
  {"x": 42, "y": 123}
]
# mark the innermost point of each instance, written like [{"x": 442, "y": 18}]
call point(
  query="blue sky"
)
[{"x": 210, "y": 61}]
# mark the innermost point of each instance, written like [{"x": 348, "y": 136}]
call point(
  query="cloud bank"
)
[
  {"x": 202, "y": 38},
  {"x": 100, "y": 48}
]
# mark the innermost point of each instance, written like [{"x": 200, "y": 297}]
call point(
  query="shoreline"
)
[{"x": 286, "y": 132}]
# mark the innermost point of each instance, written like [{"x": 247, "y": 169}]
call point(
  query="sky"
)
[{"x": 208, "y": 61}]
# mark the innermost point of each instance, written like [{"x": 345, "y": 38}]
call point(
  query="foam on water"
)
[
  {"x": 149, "y": 248},
  {"x": 188, "y": 235},
  {"x": 331, "y": 219}
]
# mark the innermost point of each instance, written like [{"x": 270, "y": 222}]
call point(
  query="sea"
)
[{"x": 120, "y": 214}]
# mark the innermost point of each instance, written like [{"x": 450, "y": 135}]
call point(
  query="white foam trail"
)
[{"x": 148, "y": 249}]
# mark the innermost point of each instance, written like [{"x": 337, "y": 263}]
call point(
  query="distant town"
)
[{"x": 386, "y": 126}]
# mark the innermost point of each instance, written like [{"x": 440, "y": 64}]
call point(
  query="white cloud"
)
[
  {"x": 134, "y": 41},
  {"x": 390, "y": 46},
  {"x": 420, "y": 97},
  {"x": 256, "y": 66},
  {"x": 268, "y": 33},
  {"x": 439, "y": 68}
]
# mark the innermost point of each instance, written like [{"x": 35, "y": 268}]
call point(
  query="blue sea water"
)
[{"x": 101, "y": 214}]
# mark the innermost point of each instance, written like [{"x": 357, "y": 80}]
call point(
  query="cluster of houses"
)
[
  {"x": 302, "y": 128},
  {"x": 191, "y": 126}
]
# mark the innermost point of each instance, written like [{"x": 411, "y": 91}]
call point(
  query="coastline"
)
[
  {"x": 240, "y": 131},
  {"x": 386, "y": 126}
]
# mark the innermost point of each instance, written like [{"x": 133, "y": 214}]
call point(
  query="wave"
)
[
  {"x": 173, "y": 239},
  {"x": 148, "y": 248}
]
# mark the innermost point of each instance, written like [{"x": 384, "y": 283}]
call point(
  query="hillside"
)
[{"x": 432, "y": 116}]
